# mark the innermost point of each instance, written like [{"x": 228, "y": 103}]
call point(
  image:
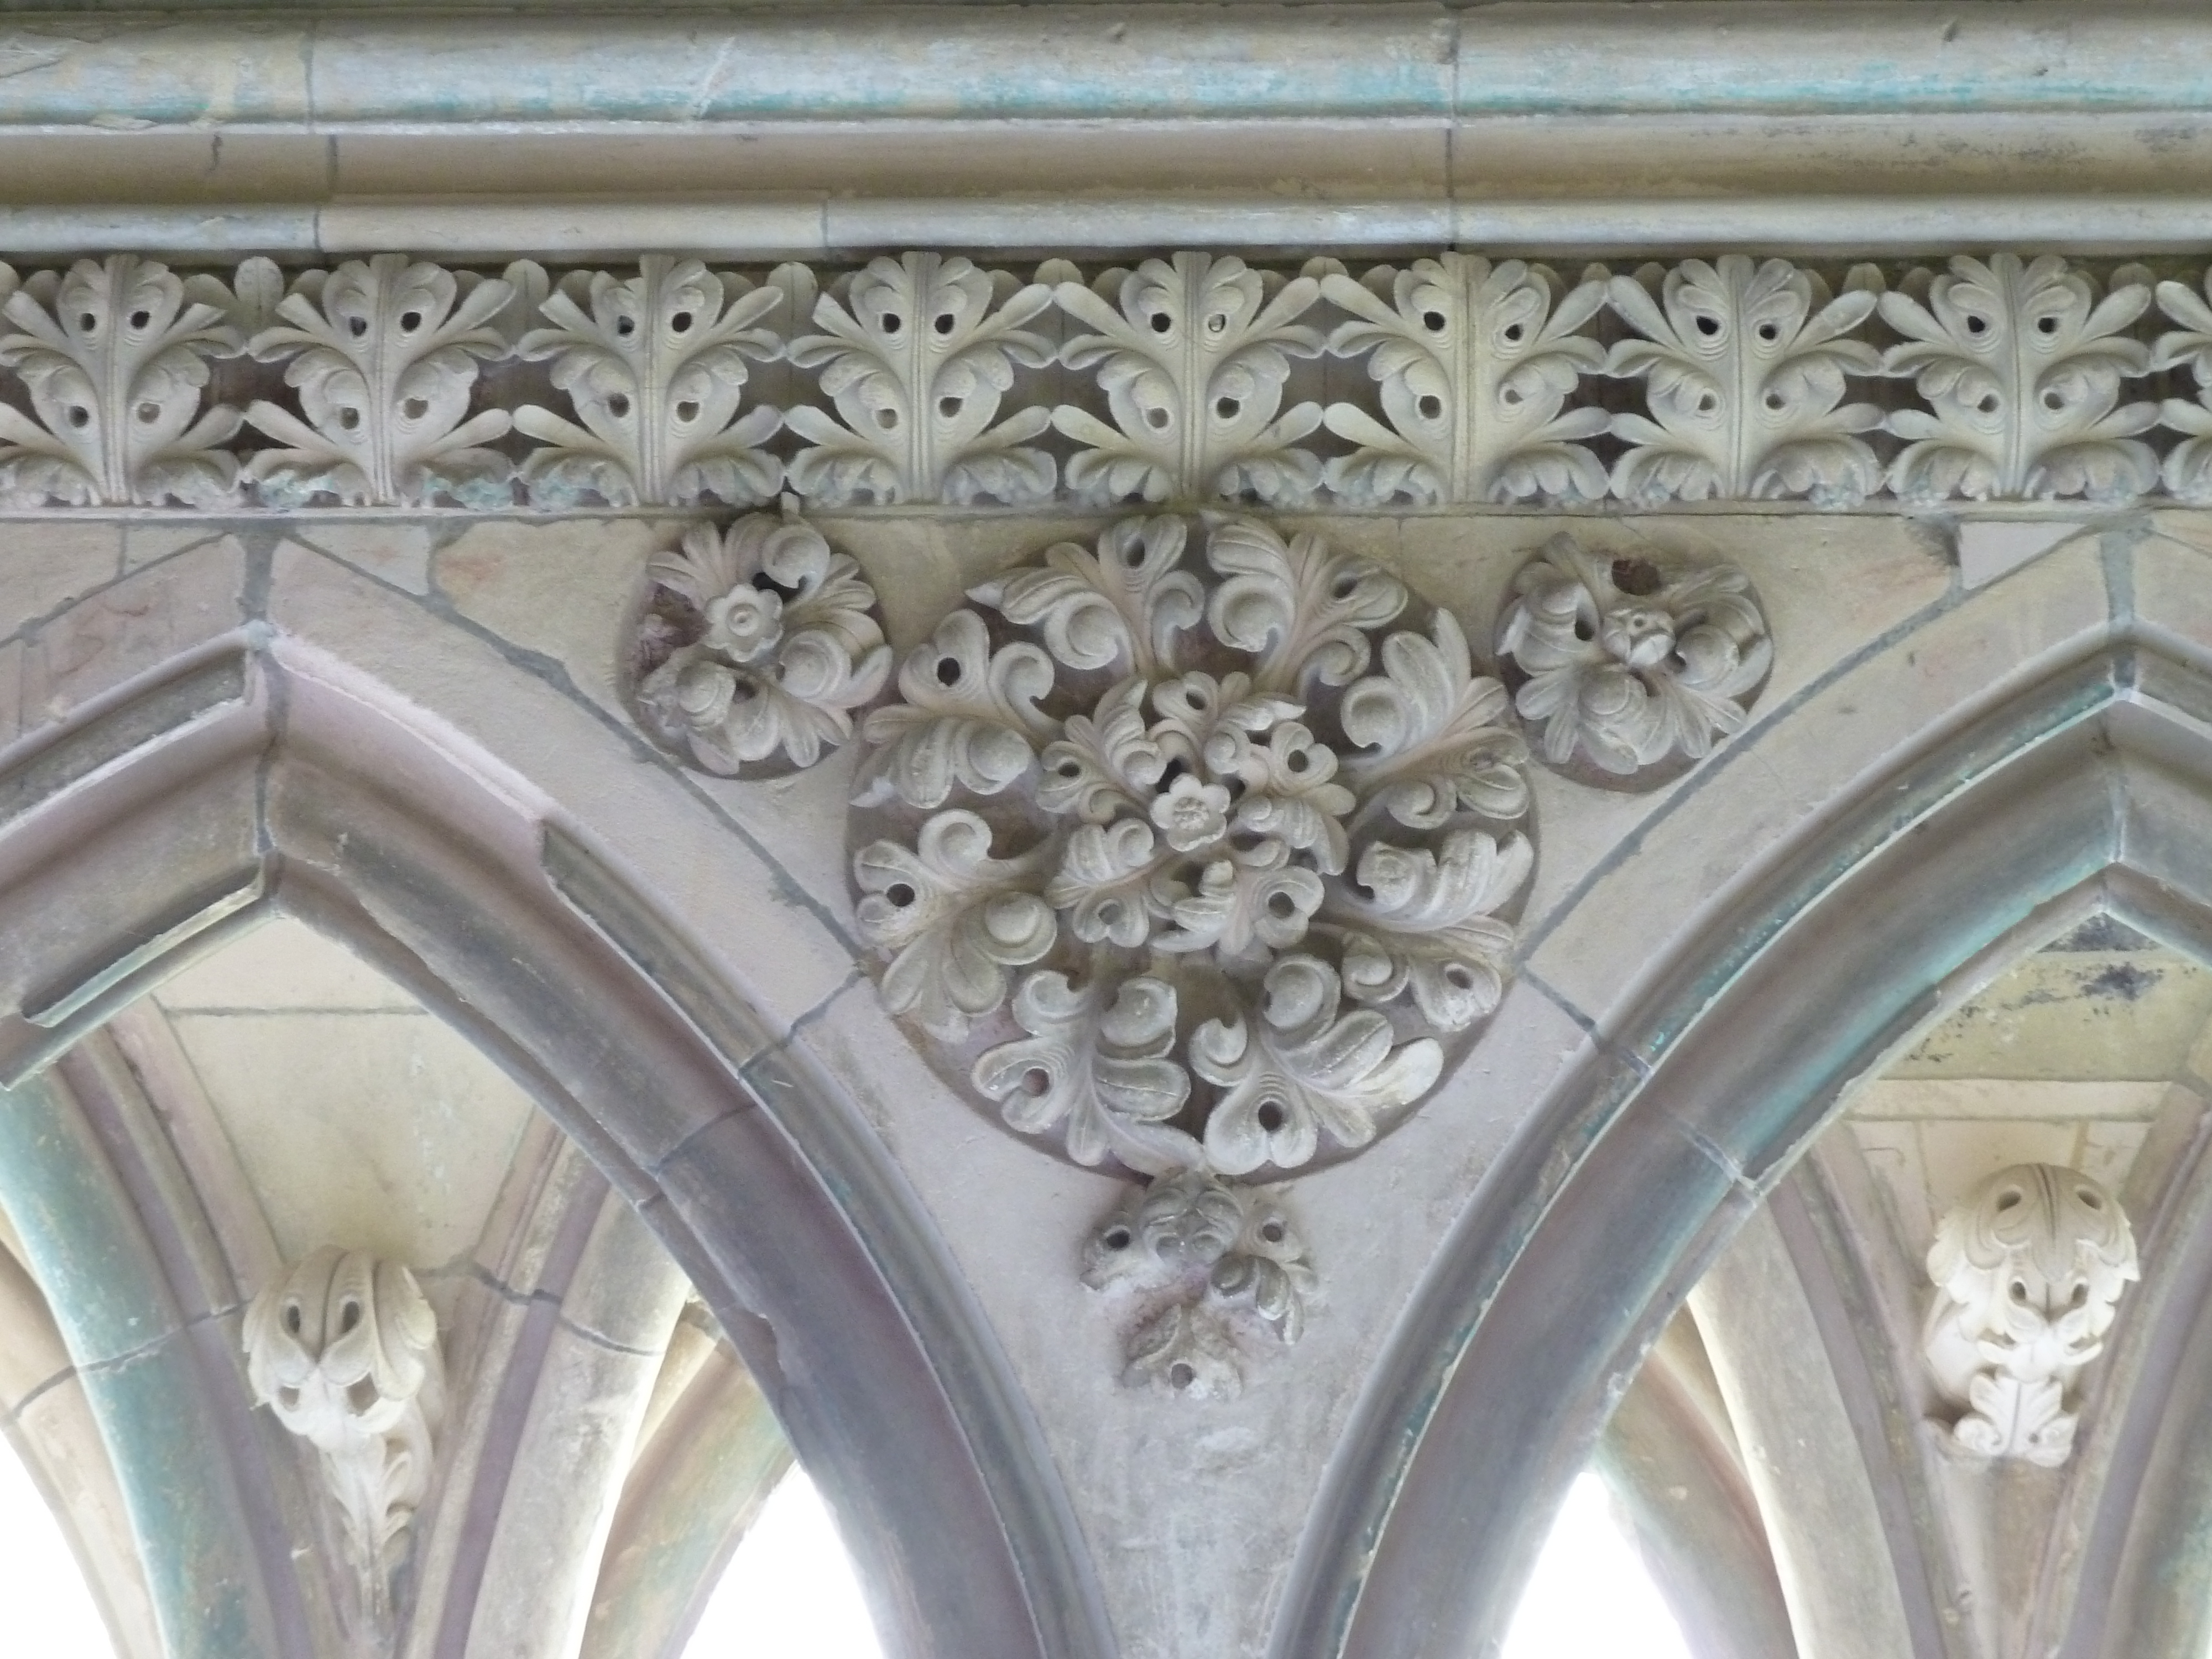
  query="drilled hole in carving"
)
[
  {"x": 349, "y": 1316},
  {"x": 1459, "y": 976},
  {"x": 1133, "y": 555},
  {"x": 1583, "y": 629},
  {"x": 946, "y": 322},
  {"x": 1273, "y": 1231},
  {"x": 1988, "y": 405},
  {"x": 1769, "y": 332},
  {"x": 2008, "y": 1198},
  {"x": 87, "y": 322},
  {"x": 887, "y": 419},
  {"x": 1157, "y": 417},
  {"x": 948, "y": 671},
  {"x": 948, "y": 408},
  {"x": 1513, "y": 333},
  {"x": 1709, "y": 327},
  {"x": 148, "y": 412},
  {"x": 1638, "y": 578},
  {"x": 1227, "y": 408},
  {"x": 1433, "y": 321},
  {"x": 410, "y": 321},
  {"x": 357, "y": 326},
  {"x": 1174, "y": 769},
  {"x": 2046, "y": 325},
  {"x": 140, "y": 319},
  {"x": 415, "y": 408},
  {"x": 1430, "y": 406},
  {"x": 687, "y": 411},
  {"x": 1344, "y": 587},
  {"x": 899, "y": 894},
  {"x": 1181, "y": 1375},
  {"x": 1070, "y": 768},
  {"x": 1271, "y": 1116},
  {"x": 1115, "y": 1238},
  {"x": 1298, "y": 761},
  {"x": 2081, "y": 1296},
  {"x": 625, "y": 326},
  {"x": 1976, "y": 325},
  {"x": 1773, "y": 401},
  {"x": 1282, "y": 906},
  {"x": 80, "y": 417},
  {"x": 2054, "y": 399},
  {"x": 1511, "y": 397},
  {"x": 893, "y": 323},
  {"x": 349, "y": 417},
  {"x": 1036, "y": 1080},
  {"x": 1707, "y": 403},
  {"x": 619, "y": 406},
  {"x": 680, "y": 322},
  {"x": 1161, "y": 322},
  {"x": 292, "y": 1317},
  {"x": 1216, "y": 322},
  {"x": 2019, "y": 1290}
]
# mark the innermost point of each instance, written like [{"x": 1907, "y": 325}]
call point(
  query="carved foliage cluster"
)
[
  {"x": 2029, "y": 1270},
  {"x": 927, "y": 378},
  {"x": 1209, "y": 858},
  {"x": 343, "y": 1349},
  {"x": 756, "y": 644}
]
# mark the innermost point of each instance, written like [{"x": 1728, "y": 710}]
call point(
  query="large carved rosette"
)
[{"x": 1186, "y": 857}]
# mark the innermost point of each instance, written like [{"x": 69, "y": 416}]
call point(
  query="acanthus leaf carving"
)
[
  {"x": 384, "y": 354},
  {"x": 953, "y": 919},
  {"x": 115, "y": 356},
  {"x": 762, "y": 642},
  {"x": 966, "y": 718},
  {"x": 1744, "y": 369},
  {"x": 2187, "y": 469},
  {"x": 2028, "y": 1270},
  {"x": 916, "y": 355},
  {"x": 1193, "y": 354},
  {"x": 1474, "y": 364},
  {"x": 343, "y": 1349},
  {"x": 1628, "y": 665},
  {"x": 655, "y": 367},
  {"x": 2021, "y": 364}
]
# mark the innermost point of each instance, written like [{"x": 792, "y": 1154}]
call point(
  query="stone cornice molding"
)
[
  {"x": 756, "y": 132},
  {"x": 1451, "y": 382}
]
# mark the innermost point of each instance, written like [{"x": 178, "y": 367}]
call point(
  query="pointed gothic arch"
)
[
  {"x": 2082, "y": 782},
  {"x": 239, "y": 758}
]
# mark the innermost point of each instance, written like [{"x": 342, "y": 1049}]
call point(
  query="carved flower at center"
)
[
  {"x": 745, "y": 623},
  {"x": 1216, "y": 890}
]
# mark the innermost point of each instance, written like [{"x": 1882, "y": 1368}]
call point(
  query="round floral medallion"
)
[{"x": 1194, "y": 863}]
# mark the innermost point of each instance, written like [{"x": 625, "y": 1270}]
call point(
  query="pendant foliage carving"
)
[
  {"x": 343, "y": 1349},
  {"x": 2028, "y": 1270}
]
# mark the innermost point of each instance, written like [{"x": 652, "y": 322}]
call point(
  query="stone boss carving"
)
[
  {"x": 345, "y": 1350},
  {"x": 2029, "y": 1269}
]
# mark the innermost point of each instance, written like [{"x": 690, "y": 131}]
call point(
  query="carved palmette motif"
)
[
  {"x": 925, "y": 378},
  {"x": 2028, "y": 1270},
  {"x": 343, "y": 1349}
]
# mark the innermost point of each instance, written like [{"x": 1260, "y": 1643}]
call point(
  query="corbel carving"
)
[
  {"x": 345, "y": 1350},
  {"x": 2029, "y": 1270}
]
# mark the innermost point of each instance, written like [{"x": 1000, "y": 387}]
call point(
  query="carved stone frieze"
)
[
  {"x": 1451, "y": 382},
  {"x": 2028, "y": 1270},
  {"x": 343, "y": 1349}
]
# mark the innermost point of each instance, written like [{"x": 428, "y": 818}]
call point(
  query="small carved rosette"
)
[
  {"x": 1623, "y": 667},
  {"x": 1195, "y": 866},
  {"x": 2028, "y": 1270},
  {"x": 757, "y": 644}
]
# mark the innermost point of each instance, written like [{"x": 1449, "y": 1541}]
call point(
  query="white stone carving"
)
[
  {"x": 1744, "y": 369},
  {"x": 1474, "y": 364},
  {"x": 113, "y": 357},
  {"x": 345, "y": 1350},
  {"x": 1216, "y": 1271},
  {"x": 1208, "y": 891},
  {"x": 759, "y": 642},
  {"x": 2021, "y": 365},
  {"x": 917, "y": 354},
  {"x": 2188, "y": 468},
  {"x": 384, "y": 354},
  {"x": 1192, "y": 353},
  {"x": 1628, "y": 665},
  {"x": 925, "y": 378},
  {"x": 656, "y": 367},
  {"x": 2027, "y": 1269}
]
